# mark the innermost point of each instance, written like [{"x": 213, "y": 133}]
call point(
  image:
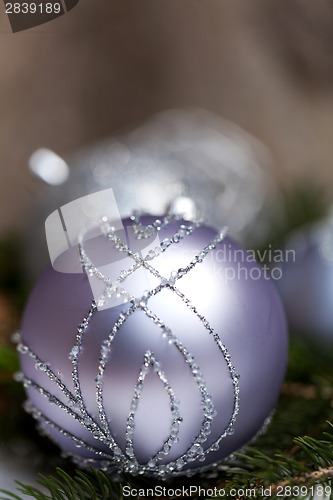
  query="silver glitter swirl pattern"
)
[{"x": 117, "y": 459}]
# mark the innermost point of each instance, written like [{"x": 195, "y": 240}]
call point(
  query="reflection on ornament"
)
[
  {"x": 164, "y": 380},
  {"x": 176, "y": 157},
  {"x": 306, "y": 286}
]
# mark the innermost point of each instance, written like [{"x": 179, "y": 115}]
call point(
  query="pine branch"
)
[
  {"x": 276, "y": 473},
  {"x": 92, "y": 485},
  {"x": 322, "y": 475},
  {"x": 311, "y": 462}
]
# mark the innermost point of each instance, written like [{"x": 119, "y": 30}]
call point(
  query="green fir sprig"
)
[{"x": 92, "y": 485}]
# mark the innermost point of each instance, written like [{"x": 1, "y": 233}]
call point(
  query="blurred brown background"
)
[{"x": 108, "y": 64}]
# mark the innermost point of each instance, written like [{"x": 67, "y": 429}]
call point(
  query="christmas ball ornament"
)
[
  {"x": 189, "y": 160},
  {"x": 165, "y": 356},
  {"x": 306, "y": 284}
]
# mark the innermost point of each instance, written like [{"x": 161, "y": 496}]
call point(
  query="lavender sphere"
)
[
  {"x": 306, "y": 285},
  {"x": 173, "y": 380}
]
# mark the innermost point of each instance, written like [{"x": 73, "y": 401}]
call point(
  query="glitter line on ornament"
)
[
  {"x": 86, "y": 421},
  {"x": 73, "y": 356},
  {"x": 113, "y": 287},
  {"x": 150, "y": 362},
  {"x": 195, "y": 450},
  {"x": 199, "y": 377},
  {"x": 127, "y": 461},
  {"x": 79, "y": 443}
]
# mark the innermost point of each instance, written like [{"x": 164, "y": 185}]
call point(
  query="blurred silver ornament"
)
[{"x": 190, "y": 160}]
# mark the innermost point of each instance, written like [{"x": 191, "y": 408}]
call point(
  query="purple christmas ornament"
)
[
  {"x": 306, "y": 285},
  {"x": 162, "y": 361}
]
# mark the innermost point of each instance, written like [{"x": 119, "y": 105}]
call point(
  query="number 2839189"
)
[{"x": 32, "y": 8}]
